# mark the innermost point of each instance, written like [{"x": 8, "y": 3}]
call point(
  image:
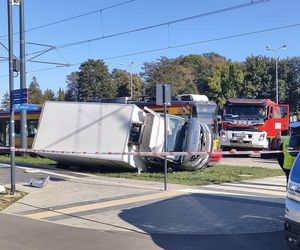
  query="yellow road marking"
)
[{"x": 105, "y": 204}]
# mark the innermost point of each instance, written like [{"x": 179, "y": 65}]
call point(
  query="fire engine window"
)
[
  {"x": 271, "y": 113},
  {"x": 244, "y": 111},
  {"x": 284, "y": 111},
  {"x": 277, "y": 114}
]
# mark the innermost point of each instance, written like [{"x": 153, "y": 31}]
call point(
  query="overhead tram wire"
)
[
  {"x": 178, "y": 46},
  {"x": 160, "y": 24},
  {"x": 75, "y": 17},
  {"x": 78, "y": 16}
]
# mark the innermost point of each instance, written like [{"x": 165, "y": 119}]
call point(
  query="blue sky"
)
[{"x": 142, "y": 13}]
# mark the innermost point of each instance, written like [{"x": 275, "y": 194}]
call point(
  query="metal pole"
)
[
  {"x": 23, "y": 120},
  {"x": 131, "y": 90},
  {"x": 276, "y": 68},
  {"x": 165, "y": 137},
  {"x": 11, "y": 88}
]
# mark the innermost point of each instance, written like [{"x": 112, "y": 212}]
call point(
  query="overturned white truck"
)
[{"x": 102, "y": 134}]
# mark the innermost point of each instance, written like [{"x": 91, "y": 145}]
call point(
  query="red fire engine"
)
[{"x": 253, "y": 124}]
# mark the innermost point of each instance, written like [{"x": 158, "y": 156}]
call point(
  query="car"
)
[{"x": 292, "y": 207}]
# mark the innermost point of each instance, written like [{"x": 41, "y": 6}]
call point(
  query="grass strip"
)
[
  {"x": 211, "y": 175},
  {"x": 28, "y": 160},
  {"x": 6, "y": 200}
]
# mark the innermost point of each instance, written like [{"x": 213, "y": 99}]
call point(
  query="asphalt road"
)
[
  {"x": 26, "y": 234},
  {"x": 23, "y": 233}
]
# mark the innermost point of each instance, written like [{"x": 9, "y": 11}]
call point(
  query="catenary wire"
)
[
  {"x": 179, "y": 45},
  {"x": 74, "y": 17},
  {"x": 160, "y": 24}
]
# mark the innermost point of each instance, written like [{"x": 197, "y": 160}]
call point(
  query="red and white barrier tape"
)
[{"x": 231, "y": 152}]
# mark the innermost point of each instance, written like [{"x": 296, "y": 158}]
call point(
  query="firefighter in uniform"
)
[{"x": 286, "y": 159}]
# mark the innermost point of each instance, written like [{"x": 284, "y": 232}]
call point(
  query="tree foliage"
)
[
  {"x": 35, "y": 95},
  {"x": 61, "y": 95},
  {"x": 171, "y": 72},
  {"x": 72, "y": 91},
  {"x": 5, "y": 101},
  {"x": 210, "y": 74},
  {"x": 49, "y": 95},
  {"x": 94, "y": 81}
]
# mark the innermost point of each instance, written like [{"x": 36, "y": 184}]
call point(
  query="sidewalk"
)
[{"x": 103, "y": 203}]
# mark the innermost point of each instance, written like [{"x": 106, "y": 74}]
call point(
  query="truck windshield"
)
[
  {"x": 245, "y": 111},
  {"x": 176, "y": 133}
]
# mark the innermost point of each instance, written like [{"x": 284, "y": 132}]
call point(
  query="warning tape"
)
[{"x": 154, "y": 154}]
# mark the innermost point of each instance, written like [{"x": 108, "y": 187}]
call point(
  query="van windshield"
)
[
  {"x": 176, "y": 133},
  {"x": 295, "y": 173}
]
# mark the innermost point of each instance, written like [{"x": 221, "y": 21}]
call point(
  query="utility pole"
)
[
  {"x": 11, "y": 88},
  {"x": 276, "y": 66},
  {"x": 165, "y": 136},
  {"x": 23, "y": 120}
]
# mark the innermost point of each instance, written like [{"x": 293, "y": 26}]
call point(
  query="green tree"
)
[
  {"x": 233, "y": 83},
  {"x": 5, "y": 101},
  {"x": 35, "y": 93},
  {"x": 49, "y": 95},
  {"x": 171, "y": 72},
  {"x": 60, "y": 95},
  {"x": 122, "y": 82},
  {"x": 94, "y": 81},
  {"x": 258, "y": 82},
  {"x": 289, "y": 71},
  {"x": 200, "y": 66},
  {"x": 72, "y": 91}
]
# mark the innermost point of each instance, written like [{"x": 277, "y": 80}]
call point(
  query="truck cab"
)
[
  {"x": 183, "y": 135},
  {"x": 253, "y": 124}
]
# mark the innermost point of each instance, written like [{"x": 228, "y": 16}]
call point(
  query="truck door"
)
[
  {"x": 153, "y": 134},
  {"x": 285, "y": 116}
]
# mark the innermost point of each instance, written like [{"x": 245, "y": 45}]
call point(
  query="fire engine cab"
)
[{"x": 253, "y": 124}]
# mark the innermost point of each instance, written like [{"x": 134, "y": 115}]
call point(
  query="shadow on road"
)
[
  {"x": 257, "y": 241},
  {"x": 198, "y": 221}
]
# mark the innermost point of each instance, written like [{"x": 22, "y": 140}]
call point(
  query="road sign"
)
[
  {"x": 19, "y": 101},
  {"x": 19, "y": 96},
  {"x": 17, "y": 92},
  {"x": 28, "y": 107}
]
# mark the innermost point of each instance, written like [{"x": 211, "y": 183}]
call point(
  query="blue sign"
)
[
  {"x": 19, "y": 92},
  {"x": 19, "y": 101},
  {"x": 19, "y": 96},
  {"x": 28, "y": 107}
]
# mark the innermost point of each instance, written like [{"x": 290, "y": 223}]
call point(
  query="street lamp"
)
[
  {"x": 130, "y": 70},
  {"x": 276, "y": 64}
]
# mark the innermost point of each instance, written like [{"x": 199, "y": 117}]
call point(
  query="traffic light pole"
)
[
  {"x": 165, "y": 137},
  {"x": 11, "y": 88},
  {"x": 23, "y": 120}
]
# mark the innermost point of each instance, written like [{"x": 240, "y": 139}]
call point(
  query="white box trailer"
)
[
  {"x": 77, "y": 133},
  {"x": 88, "y": 128}
]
